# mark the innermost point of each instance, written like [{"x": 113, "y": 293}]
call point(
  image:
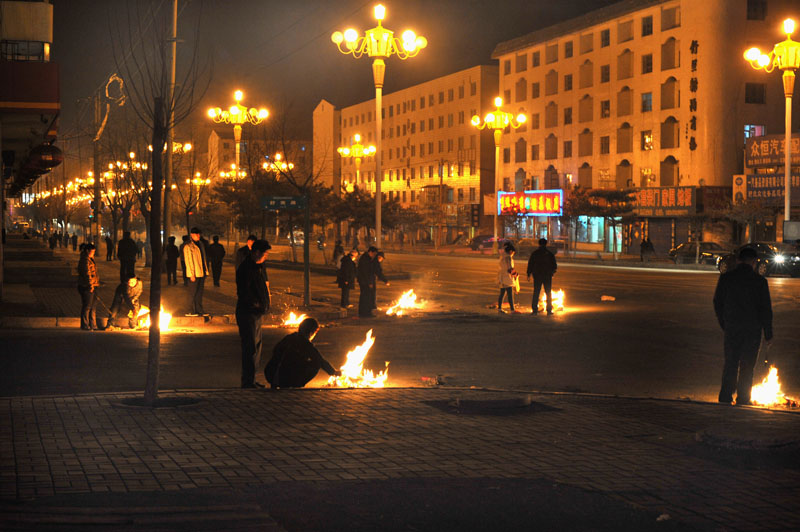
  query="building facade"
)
[
  {"x": 433, "y": 159},
  {"x": 650, "y": 95}
]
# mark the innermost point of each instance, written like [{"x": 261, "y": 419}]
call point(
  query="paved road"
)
[{"x": 658, "y": 338}]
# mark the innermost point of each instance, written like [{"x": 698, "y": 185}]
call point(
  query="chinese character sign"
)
[
  {"x": 768, "y": 151},
  {"x": 530, "y": 203},
  {"x": 665, "y": 201}
]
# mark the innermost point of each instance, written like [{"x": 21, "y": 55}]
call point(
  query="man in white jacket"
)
[{"x": 194, "y": 255}]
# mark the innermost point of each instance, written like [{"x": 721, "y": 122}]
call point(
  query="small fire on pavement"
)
[
  {"x": 558, "y": 300},
  {"x": 143, "y": 319},
  {"x": 407, "y": 301},
  {"x": 293, "y": 319},
  {"x": 353, "y": 373},
  {"x": 769, "y": 393}
]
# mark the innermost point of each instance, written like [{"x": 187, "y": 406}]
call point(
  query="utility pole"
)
[
  {"x": 168, "y": 173},
  {"x": 96, "y": 168}
]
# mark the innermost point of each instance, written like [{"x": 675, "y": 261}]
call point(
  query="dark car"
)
[
  {"x": 481, "y": 242},
  {"x": 686, "y": 253},
  {"x": 773, "y": 259}
]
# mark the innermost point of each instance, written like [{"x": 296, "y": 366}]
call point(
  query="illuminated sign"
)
[
  {"x": 768, "y": 151},
  {"x": 530, "y": 203},
  {"x": 665, "y": 202}
]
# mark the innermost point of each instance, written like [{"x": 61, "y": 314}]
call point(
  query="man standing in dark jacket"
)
[
  {"x": 252, "y": 290},
  {"x": 347, "y": 277},
  {"x": 365, "y": 274},
  {"x": 216, "y": 252},
  {"x": 109, "y": 248},
  {"x": 295, "y": 361},
  {"x": 541, "y": 267},
  {"x": 243, "y": 252},
  {"x": 743, "y": 308},
  {"x": 74, "y": 240},
  {"x": 126, "y": 253},
  {"x": 172, "y": 254}
]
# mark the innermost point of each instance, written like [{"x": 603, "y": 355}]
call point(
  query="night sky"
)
[{"x": 280, "y": 53}]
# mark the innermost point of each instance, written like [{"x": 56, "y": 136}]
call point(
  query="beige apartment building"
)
[
  {"x": 646, "y": 94},
  {"x": 433, "y": 159},
  {"x": 253, "y": 151}
]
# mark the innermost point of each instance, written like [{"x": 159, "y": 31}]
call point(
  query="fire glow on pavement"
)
[
  {"x": 408, "y": 301},
  {"x": 293, "y": 319},
  {"x": 353, "y": 373},
  {"x": 769, "y": 393},
  {"x": 143, "y": 319},
  {"x": 558, "y": 300}
]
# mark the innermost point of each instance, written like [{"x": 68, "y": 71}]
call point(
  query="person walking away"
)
[
  {"x": 183, "y": 262},
  {"x": 243, "y": 252},
  {"x": 542, "y": 267},
  {"x": 125, "y": 304},
  {"x": 365, "y": 275},
  {"x": 346, "y": 278},
  {"x": 253, "y": 301},
  {"x": 379, "y": 258},
  {"x": 88, "y": 281},
  {"x": 643, "y": 250},
  {"x": 338, "y": 254},
  {"x": 66, "y": 239},
  {"x": 172, "y": 254},
  {"x": 506, "y": 275},
  {"x": 743, "y": 308},
  {"x": 216, "y": 252},
  {"x": 651, "y": 249},
  {"x": 109, "y": 248},
  {"x": 74, "y": 241},
  {"x": 196, "y": 258},
  {"x": 139, "y": 248},
  {"x": 295, "y": 361},
  {"x": 126, "y": 253}
]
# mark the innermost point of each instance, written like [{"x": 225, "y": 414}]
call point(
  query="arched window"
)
[
  {"x": 585, "y": 140},
  {"x": 551, "y": 147},
  {"x": 551, "y": 83},
  {"x": 586, "y": 75},
  {"x": 625, "y": 101},
  {"x": 670, "y": 95},
  {"x": 519, "y": 180},
  {"x": 551, "y": 180},
  {"x": 585, "y": 109},
  {"x": 521, "y": 90},
  {"x": 624, "y": 174},
  {"x": 625, "y": 64},
  {"x": 551, "y": 115},
  {"x": 670, "y": 170},
  {"x": 625, "y": 138},
  {"x": 585, "y": 175},
  {"x": 670, "y": 54},
  {"x": 670, "y": 134},
  {"x": 520, "y": 151}
]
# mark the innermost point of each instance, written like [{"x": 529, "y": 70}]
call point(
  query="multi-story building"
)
[
  {"x": 253, "y": 151},
  {"x": 652, "y": 95},
  {"x": 433, "y": 159}
]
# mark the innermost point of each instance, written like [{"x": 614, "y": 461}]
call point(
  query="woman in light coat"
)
[{"x": 506, "y": 277}]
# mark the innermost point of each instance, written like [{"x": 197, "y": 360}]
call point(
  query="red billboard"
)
[{"x": 530, "y": 203}]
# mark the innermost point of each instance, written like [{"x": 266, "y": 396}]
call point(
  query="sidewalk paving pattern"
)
[{"x": 643, "y": 452}]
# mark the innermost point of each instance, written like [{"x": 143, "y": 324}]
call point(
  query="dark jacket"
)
[
  {"x": 347, "y": 273},
  {"x": 129, "y": 295},
  {"x": 172, "y": 253},
  {"x": 251, "y": 288},
  {"x": 87, "y": 272},
  {"x": 127, "y": 250},
  {"x": 742, "y": 302},
  {"x": 216, "y": 252},
  {"x": 542, "y": 263},
  {"x": 294, "y": 362},
  {"x": 241, "y": 254},
  {"x": 365, "y": 273}
]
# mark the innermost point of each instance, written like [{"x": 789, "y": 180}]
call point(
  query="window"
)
[
  {"x": 625, "y": 31},
  {"x": 567, "y": 148},
  {"x": 536, "y": 59},
  {"x": 521, "y": 90},
  {"x": 535, "y": 121},
  {"x": 441, "y": 122},
  {"x": 449, "y": 144},
  {"x": 391, "y": 112},
  {"x": 460, "y": 117},
  {"x": 646, "y": 140},
  {"x": 587, "y": 43},
  {"x": 441, "y": 146},
  {"x": 507, "y": 67},
  {"x": 605, "y": 108},
  {"x": 473, "y": 88},
  {"x": 520, "y": 151},
  {"x": 568, "y": 82},
  {"x": 605, "y": 38},
  {"x": 522, "y": 63},
  {"x": 605, "y": 73},
  {"x": 755, "y": 93},
  {"x": 625, "y": 138},
  {"x": 605, "y": 145},
  {"x": 551, "y": 54},
  {"x": 647, "y": 26},
  {"x": 441, "y": 96},
  {"x": 551, "y": 83},
  {"x": 568, "y": 49},
  {"x": 450, "y": 120},
  {"x": 551, "y": 115},
  {"x": 625, "y": 65},
  {"x": 585, "y": 108},
  {"x": 506, "y": 155},
  {"x": 670, "y": 133},
  {"x": 647, "y": 63},
  {"x": 534, "y": 90},
  {"x": 534, "y": 152},
  {"x": 625, "y": 102},
  {"x": 422, "y": 150},
  {"x": 756, "y": 9},
  {"x": 460, "y": 93},
  {"x": 430, "y": 100},
  {"x": 670, "y": 18},
  {"x": 647, "y": 102},
  {"x": 450, "y": 95},
  {"x": 422, "y": 103},
  {"x": 422, "y": 126},
  {"x": 567, "y": 115},
  {"x": 551, "y": 147},
  {"x": 670, "y": 93},
  {"x": 472, "y": 194},
  {"x": 430, "y": 124},
  {"x": 670, "y": 56},
  {"x": 752, "y": 130},
  {"x": 586, "y": 75},
  {"x": 585, "y": 143},
  {"x": 413, "y": 128},
  {"x": 507, "y": 95}
]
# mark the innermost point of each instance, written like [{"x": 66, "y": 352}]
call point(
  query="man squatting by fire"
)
[{"x": 295, "y": 361}]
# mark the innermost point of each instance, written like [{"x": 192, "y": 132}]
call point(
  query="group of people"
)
[
  {"x": 63, "y": 240},
  {"x": 542, "y": 267},
  {"x": 366, "y": 270},
  {"x": 646, "y": 250}
]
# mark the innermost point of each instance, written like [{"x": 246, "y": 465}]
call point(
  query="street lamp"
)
[
  {"x": 497, "y": 121},
  {"x": 357, "y": 151},
  {"x": 784, "y": 56},
  {"x": 235, "y": 173},
  {"x": 378, "y": 43},
  {"x": 277, "y": 165},
  {"x": 237, "y": 115}
]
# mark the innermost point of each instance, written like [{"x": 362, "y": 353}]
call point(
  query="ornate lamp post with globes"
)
[
  {"x": 497, "y": 120},
  {"x": 378, "y": 43},
  {"x": 357, "y": 151},
  {"x": 237, "y": 115},
  {"x": 784, "y": 56}
]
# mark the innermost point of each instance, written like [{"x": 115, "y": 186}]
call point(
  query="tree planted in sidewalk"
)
[{"x": 615, "y": 206}]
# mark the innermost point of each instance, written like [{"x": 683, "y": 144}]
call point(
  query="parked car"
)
[
  {"x": 481, "y": 242},
  {"x": 773, "y": 258},
  {"x": 687, "y": 253},
  {"x": 526, "y": 246}
]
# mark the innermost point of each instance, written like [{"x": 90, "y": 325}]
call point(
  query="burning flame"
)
[
  {"x": 768, "y": 393},
  {"x": 353, "y": 373},
  {"x": 294, "y": 319},
  {"x": 558, "y": 300},
  {"x": 407, "y": 301},
  {"x": 143, "y": 319}
]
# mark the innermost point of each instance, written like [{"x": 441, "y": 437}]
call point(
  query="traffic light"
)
[{"x": 475, "y": 215}]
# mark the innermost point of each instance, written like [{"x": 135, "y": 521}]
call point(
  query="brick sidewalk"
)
[{"x": 642, "y": 452}]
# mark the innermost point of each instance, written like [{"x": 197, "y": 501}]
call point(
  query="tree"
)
[
  {"x": 747, "y": 216},
  {"x": 614, "y": 206},
  {"x": 576, "y": 204}
]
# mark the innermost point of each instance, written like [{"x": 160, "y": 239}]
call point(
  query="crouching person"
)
[
  {"x": 126, "y": 304},
  {"x": 295, "y": 360}
]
